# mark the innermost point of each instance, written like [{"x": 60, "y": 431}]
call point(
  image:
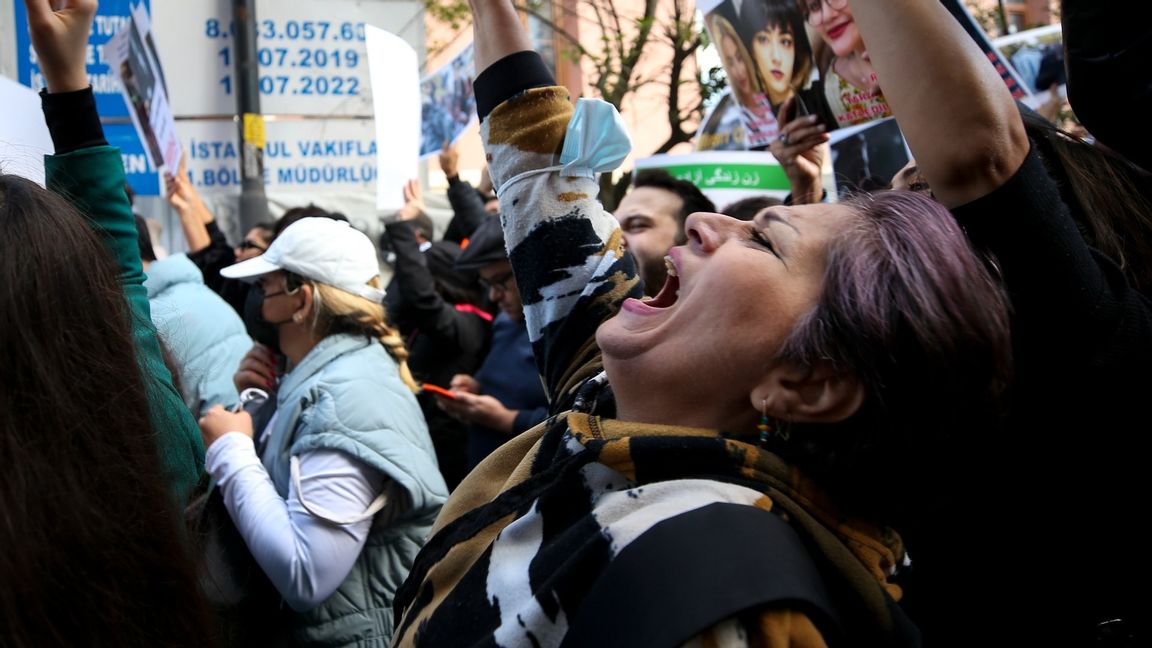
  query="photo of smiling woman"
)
[
  {"x": 847, "y": 79},
  {"x": 747, "y": 89}
]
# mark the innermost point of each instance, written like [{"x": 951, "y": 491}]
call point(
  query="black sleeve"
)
[
  {"x": 1108, "y": 50},
  {"x": 72, "y": 120},
  {"x": 218, "y": 255},
  {"x": 509, "y": 77},
  {"x": 467, "y": 210},
  {"x": 424, "y": 308},
  {"x": 1061, "y": 289}
]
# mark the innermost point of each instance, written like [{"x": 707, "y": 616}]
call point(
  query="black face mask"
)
[{"x": 260, "y": 329}]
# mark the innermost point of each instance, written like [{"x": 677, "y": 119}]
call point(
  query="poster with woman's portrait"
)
[{"x": 766, "y": 52}]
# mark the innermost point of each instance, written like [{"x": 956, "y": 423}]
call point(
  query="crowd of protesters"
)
[{"x": 905, "y": 417}]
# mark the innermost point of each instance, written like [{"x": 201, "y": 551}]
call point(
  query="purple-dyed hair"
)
[{"x": 911, "y": 310}]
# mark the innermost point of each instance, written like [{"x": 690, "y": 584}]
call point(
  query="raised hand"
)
[
  {"x": 800, "y": 151},
  {"x": 194, "y": 214},
  {"x": 413, "y": 201},
  {"x": 449, "y": 160},
  {"x": 59, "y": 30}
]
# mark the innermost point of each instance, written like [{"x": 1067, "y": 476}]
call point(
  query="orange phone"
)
[{"x": 439, "y": 391}]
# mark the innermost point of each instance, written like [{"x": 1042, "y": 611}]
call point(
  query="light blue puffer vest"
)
[
  {"x": 204, "y": 335},
  {"x": 346, "y": 395}
]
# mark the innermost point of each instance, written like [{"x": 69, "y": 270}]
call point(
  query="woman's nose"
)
[{"x": 707, "y": 231}]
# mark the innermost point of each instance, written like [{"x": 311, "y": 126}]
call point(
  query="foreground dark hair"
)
[
  {"x": 915, "y": 314},
  {"x": 92, "y": 548}
]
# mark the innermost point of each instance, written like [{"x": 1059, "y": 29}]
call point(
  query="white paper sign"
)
[
  {"x": 24, "y": 139},
  {"x": 395, "y": 75}
]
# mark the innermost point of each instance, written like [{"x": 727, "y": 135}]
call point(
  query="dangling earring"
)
[
  {"x": 770, "y": 427},
  {"x": 765, "y": 425}
]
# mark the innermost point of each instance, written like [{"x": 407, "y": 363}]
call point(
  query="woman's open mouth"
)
[
  {"x": 671, "y": 289},
  {"x": 667, "y": 296},
  {"x": 838, "y": 30}
]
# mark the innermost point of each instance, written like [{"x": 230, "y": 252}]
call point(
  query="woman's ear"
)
[
  {"x": 304, "y": 302},
  {"x": 816, "y": 394}
]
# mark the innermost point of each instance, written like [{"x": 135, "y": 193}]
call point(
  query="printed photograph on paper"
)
[
  {"x": 448, "y": 104},
  {"x": 132, "y": 57}
]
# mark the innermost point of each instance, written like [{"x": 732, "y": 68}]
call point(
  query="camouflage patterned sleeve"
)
[{"x": 566, "y": 250}]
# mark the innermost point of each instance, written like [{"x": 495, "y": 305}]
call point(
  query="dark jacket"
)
[
  {"x": 443, "y": 339},
  {"x": 218, "y": 255},
  {"x": 467, "y": 208}
]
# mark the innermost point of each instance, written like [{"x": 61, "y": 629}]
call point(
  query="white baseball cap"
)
[{"x": 321, "y": 249}]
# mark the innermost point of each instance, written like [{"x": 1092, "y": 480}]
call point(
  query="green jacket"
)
[{"x": 93, "y": 179}]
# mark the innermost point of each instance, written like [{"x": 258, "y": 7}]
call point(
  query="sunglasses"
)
[{"x": 249, "y": 245}]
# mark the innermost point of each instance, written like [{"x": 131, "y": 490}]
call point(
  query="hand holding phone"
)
[{"x": 439, "y": 391}]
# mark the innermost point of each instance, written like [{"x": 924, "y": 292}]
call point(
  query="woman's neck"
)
[{"x": 296, "y": 341}]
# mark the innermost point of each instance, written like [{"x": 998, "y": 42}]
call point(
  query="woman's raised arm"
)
[
  {"x": 498, "y": 32},
  {"x": 958, "y": 116}
]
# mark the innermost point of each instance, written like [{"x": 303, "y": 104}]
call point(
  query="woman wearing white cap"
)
[{"x": 336, "y": 495}]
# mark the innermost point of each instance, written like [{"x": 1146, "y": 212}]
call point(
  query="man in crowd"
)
[{"x": 652, "y": 218}]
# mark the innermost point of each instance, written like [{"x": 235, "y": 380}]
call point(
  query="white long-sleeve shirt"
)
[{"x": 306, "y": 556}]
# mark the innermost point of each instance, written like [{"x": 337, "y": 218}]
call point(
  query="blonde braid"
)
[
  {"x": 339, "y": 311},
  {"x": 394, "y": 345}
]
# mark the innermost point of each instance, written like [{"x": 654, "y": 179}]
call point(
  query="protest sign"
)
[
  {"x": 448, "y": 106},
  {"x": 725, "y": 176},
  {"x": 132, "y": 57},
  {"x": 1007, "y": 73},
  {"x": 733, "y": 31},
  {"x": 776, "y": 50},
  {"x": 722, "y": 128},
  {"x": 118, "y": 129},
  {"x": 1037, "y": 58},
  {"x": 865, "y": 157},
  {"x": 24, "y": 139},
  {"x": 392, "y": 64}
]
